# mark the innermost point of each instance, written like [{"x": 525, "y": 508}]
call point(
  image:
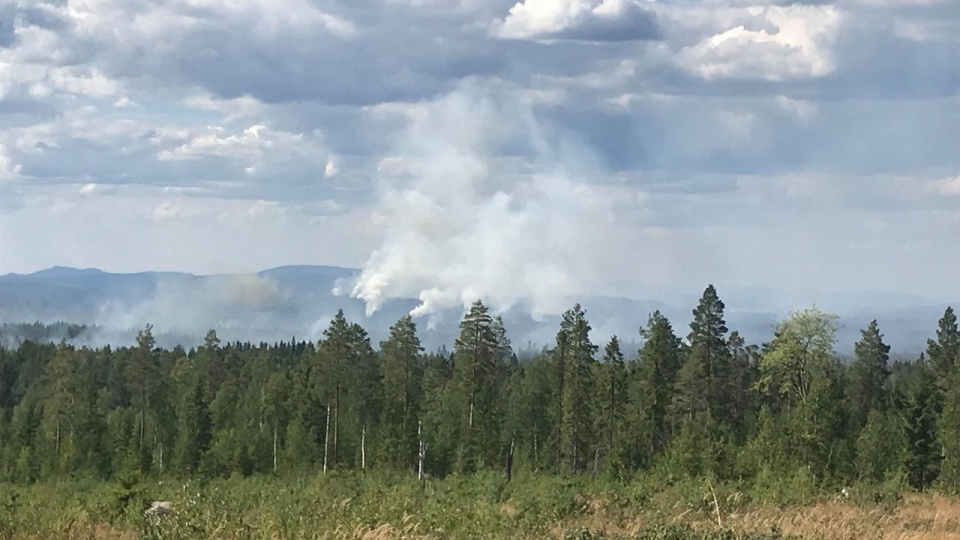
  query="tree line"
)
[{"x": 705, "y": 404}]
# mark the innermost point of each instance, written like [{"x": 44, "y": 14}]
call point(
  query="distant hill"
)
[{"x": 299, "y": 301}]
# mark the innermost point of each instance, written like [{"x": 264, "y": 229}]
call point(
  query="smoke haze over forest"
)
[
  {"x": 532, "y": 154},
  {"x": 299, "y": 302}
]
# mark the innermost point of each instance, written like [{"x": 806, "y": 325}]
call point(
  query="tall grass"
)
[{"x": 386, "y": 506}]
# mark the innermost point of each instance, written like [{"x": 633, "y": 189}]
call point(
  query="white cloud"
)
[
  {"x": 250, "y": 144},
  {"x": 590, "y": 20},
  {"x": 164, "y": 21},
  {"x": 330, "y": 169},
  {"x": 87, "y": 82},
  {"x": 798, "y": 44},
  {"x": 534, "y": 18},
  {"x": 8, "y": 168},
  {"x": 947, "y": 187},
  {"x": 167, "y": 211}
]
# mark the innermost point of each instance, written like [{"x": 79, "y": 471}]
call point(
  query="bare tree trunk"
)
[
  {"x": 363, "y": 449},
  {"x": 326, "y": 440},
  {"x": 422, "y": 454},
  {"x": 470, "y": 423},
  {"x": 336, "y": 427},
  {"x": 274, "y": 447},
  {"x": 536, "y": 461},
  {"x": 510, "y": 461}
]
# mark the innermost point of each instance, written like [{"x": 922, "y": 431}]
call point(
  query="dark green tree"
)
[
  {"x": 477, "y": 369},
  {"x": 651, "y": 391},
  {"x": 143, "y": 372},
  {"x": 611, "y": 404},
  {"x": 401, "y": 368},
  {"x": 868, "y": 387},
  {"x": 577, "y": 437}
]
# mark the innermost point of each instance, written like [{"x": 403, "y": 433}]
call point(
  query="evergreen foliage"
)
[{"x": 712, "y": 405}]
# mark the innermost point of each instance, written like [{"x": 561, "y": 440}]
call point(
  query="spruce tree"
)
[
  {"x": 651, "y": 391},
  {"x": 142, "y": 379},
  {"x": 194, "y": 426},
  {"x": 401, "y": 368},
  {"x": 611, "y": 402},
  {"x": 916, "y": 403},
  {"x": 869, "y": 375},
  {"x": 948, "y": 431},
  {"x": 944, "y": 353}
]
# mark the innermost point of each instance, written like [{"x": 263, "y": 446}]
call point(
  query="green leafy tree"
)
[
  {"x": 800, "y": 352},
  {"x": 800, "y": 366}
]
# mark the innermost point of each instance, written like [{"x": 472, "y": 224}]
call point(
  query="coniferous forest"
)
[{"x": 770, "y": 422}]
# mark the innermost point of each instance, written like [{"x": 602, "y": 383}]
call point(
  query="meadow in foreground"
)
[{"x": 460, "y": 507}]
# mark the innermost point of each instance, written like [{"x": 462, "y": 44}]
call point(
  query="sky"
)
[{"x": 517, "y": 151}]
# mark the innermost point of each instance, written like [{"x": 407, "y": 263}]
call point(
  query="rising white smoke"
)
[{"x": 463, "y": 222}]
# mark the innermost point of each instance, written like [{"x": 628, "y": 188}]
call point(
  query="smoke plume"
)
[{"x": 464, "y": 220}]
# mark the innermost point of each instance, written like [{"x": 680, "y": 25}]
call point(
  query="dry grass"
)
[
  {"x": 87, "y": 531},
  {"x": 916, "y": 518}
]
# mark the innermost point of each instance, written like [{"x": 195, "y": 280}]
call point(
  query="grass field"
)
[{"x": 481, "y": 506}]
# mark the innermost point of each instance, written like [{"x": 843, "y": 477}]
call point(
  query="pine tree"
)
[
  {"x": 576, "y": 423},
  {"x": 477, "y": 370},
  {"x": 212, "y": 365},
  {"x": 334, "y": 353},
  {"x": 275, "y": 396},
  {"x": 59, "y": 404}
]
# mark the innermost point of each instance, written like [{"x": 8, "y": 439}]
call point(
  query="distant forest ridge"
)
[{"x": 299, "y": 301}]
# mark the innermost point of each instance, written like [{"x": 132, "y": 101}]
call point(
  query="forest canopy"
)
[{"x": 695, "y": 402}]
